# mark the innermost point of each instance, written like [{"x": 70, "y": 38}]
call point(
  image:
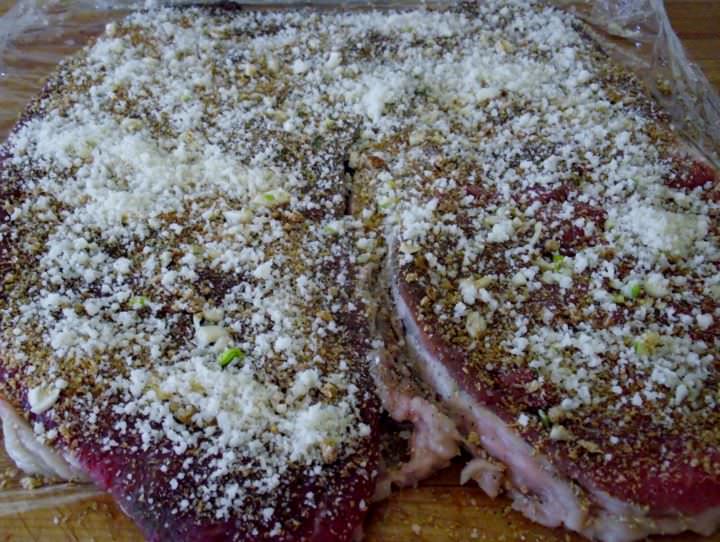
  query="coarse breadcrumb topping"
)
[
  {"x": 179, "y": 205},
  {"x": 182, "y": 248},
  {"x": 552, "y": 233}
]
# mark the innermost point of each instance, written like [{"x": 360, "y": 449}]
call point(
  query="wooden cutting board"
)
[{"x": 440, "y": 510}]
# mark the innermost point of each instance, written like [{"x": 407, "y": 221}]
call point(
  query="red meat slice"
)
[
  {"x": 140, "y": 487},
  {"x": 596, "y": 467},
  {"x": 139, "y": 480},
  {"x": 155, "y": 484},
  {"x": 639, "y": 471}
]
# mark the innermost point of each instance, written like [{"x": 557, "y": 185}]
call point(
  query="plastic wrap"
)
[{"x": 35, "y": 35}]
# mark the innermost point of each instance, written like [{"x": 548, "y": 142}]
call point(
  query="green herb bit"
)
[
  {"x": 647, "y": 344},
  {"x": 635, "y": 290},
  {"x": 558, "y": 260},
  {"x": 138, "y": 302},
  {"x": 544, "y": 418},
  {"x": 389, "y": 202},
  {"x": 230, "y": 355},
  {"x": 641, "y": 349},
  {"x": 196, "y": 250}
]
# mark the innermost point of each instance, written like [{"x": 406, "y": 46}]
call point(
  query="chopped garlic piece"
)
[
  {"x": 207, "y": 335},
  {"x": 42, "y": 398},
  {"x": 656, "y": 285},
  {"x": 272, "y": 198},
  {"x": 213, "y": 314},
  {"x": 475, "y": 324},
  {"x": 559, "y": 432}
]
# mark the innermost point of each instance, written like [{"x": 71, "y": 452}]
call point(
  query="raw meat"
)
[
  {"x": 180, "y": 320},
  {"x": 197, "y": 212}
]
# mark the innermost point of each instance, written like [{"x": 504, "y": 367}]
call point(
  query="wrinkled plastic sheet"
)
[{"x": 35, "y": 35}]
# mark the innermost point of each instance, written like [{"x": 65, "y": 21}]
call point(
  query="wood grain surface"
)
[{"x": 439, "y": 510}]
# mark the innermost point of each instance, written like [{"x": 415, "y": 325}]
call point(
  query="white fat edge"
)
[
  {"x": 495, "y": 436},
  {"x": 608, "y": 523},
  {"x": 30, "y": 455}
]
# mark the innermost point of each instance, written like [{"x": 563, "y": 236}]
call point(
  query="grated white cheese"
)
[{"x": 194, "y": 210}]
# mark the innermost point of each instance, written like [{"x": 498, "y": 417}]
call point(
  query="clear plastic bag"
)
[{"x": 35, "y": 35}]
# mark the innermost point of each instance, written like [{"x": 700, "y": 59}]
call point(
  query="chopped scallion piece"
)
[
  {"x": 230, "y": 355},
  {"x": 641, "y": 349},
  {"x": 635, "y": 290},
  {"x": 544, "y": 418},
  {"x": 272, "y": 198},
  {"x": 138, "y": 302}
]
